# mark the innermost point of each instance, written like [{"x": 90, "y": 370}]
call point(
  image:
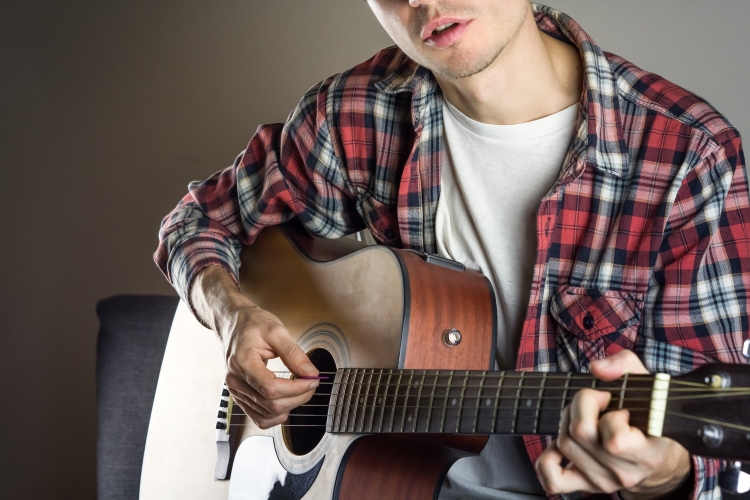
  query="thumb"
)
[
  {"x": 293, "y": 357},
  {"x": 617, "y": 365}
]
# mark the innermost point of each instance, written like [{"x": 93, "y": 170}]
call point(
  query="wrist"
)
[{"x": 679, "y": 487}]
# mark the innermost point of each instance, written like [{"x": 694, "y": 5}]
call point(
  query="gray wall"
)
[{"x": 108, "y": 109}]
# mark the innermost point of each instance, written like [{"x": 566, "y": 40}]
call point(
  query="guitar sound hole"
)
[{"x": 306, "y": 425}]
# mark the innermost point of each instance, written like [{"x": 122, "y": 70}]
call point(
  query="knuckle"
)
[
  {"x": 264, "y": 424},
  {"x": 275, "y": 407},
  {"x": 277, "y": 331},
  {"x": 269, "y": 391},
  {"x": 614, "y": 445},
  {"x": 627, "y": 481},
  {"x": 580, "y": 431}
]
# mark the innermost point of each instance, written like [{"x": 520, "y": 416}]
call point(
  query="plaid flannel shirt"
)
[{"x": 645, "y": 230}]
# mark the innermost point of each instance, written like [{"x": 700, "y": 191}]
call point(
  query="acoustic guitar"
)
[{"x": 405, "y": 345}]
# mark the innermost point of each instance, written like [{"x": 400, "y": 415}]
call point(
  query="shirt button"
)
[
  {"x": 588, "y": 321},
  {"x": 389, "y": 233}
]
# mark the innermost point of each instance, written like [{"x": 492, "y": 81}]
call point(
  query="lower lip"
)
[{"x": 447, "y": 37}]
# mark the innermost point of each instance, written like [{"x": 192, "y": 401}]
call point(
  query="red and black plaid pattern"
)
[{"x": 642, "y": 242}]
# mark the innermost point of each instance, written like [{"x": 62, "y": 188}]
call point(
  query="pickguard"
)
[{"x": 257, "y": 474}]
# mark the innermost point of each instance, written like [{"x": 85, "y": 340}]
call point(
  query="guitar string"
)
[
  {"x": 645, "y": 378},
  {"x": 678, "y": 414},
  {"x": 709, "y": 390},
  {"x": 472, "y": 403},
  {"x": 710, "y": 421}
]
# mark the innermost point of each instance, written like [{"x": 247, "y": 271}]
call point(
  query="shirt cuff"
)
[
  {"x": 706, "y": 478},
  {"x": 192, "y": 256}
]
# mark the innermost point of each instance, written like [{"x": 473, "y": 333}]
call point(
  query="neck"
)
[
  {"x": 533, "y": 77},
  {"x": 470, "y": 402}
]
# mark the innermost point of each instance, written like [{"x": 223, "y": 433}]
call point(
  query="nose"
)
[{"x": 417, "y": 3}]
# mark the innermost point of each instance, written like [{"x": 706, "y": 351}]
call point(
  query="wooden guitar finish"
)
[{"x": 394, "y": 328}]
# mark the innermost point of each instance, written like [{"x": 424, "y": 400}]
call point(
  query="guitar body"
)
[{"x": 347, "y": 306}]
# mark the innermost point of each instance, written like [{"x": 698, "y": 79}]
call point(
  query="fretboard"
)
[{"x": 469, "y": 402}]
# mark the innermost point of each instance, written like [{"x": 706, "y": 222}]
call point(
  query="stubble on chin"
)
[{"x": 462, "y": 65}]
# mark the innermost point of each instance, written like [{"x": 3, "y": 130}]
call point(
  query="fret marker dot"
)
[
  {"x": 361, "y": 400},
  {"x": 380, "y": 400},
  {"x": 409, "y": 418},
  {"x": 416, "y": 385},
  {"x": 487, "y": 402},
  {"x": 528, "y": 402},
  {"x": 453, "y": 401}
]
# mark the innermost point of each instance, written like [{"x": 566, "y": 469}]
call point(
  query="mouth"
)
[{"x": 444, "y": 31}]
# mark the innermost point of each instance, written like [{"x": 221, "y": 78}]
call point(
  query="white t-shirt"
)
[{"x": 493, "y": 179}]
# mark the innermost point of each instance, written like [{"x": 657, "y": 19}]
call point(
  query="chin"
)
[{"x": 457, "y": 65}]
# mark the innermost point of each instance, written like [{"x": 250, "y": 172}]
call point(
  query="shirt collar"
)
[{"x": 604, "y": 141}]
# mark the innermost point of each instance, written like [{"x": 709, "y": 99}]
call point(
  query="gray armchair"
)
[{"x": 130, "y": 347}]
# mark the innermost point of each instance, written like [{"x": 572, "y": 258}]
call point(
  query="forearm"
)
[{"x": 214, "y": 295}]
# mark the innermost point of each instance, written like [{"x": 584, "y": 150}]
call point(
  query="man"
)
[{"x": 606, "y": 205}]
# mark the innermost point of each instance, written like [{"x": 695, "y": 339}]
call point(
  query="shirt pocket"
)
[
  {"x": 381, "y": 218},
  {"x": 594, "y": 324}
]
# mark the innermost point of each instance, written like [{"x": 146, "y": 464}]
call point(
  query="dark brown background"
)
[{"x": 107, "y": 110}]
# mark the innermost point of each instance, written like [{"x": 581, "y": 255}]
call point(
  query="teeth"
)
[{"x": 442, "y": 28}]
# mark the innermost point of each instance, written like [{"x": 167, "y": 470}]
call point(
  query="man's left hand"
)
[{"x": 606, "y": 454}]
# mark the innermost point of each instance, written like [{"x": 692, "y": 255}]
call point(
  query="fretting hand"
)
[{"x": 605, "y": 453}]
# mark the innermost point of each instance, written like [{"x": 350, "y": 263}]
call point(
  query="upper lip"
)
[{"x": 436, "y": 23}]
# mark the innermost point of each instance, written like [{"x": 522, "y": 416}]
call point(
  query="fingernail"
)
[
  {"x": 603, "y": 362},
  {"x": 307, "y": 367},
  {"x": 314, "y": 384}
]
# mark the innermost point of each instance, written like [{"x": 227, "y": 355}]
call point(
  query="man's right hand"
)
[{"x": 251, "y": 336}]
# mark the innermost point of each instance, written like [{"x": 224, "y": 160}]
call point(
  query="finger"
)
[
  {"x": 259, "y": 419},
  {"x": 268, "y": 385},
  {"x": 557, "y": 479},
  {"x": 266, "y": 391},
  {"x": 585, "y": 409},
  {"x": 579, "y": 439},
  {"x": 290, "y": 353},
  {"x": 265, "y": 406},
  {"x": 620, "y": 440},
  {"x": 617, "y": 365}
]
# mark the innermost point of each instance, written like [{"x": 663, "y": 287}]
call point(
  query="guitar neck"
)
[{"x": 470, "y": 402}]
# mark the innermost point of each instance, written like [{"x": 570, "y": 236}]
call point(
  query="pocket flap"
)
[{"x": 592, "y": 313}]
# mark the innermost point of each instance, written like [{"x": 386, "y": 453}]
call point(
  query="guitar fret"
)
[
  {"x": 353, "y": 397},
  {"x": 497, "y": 399},
  {"x": 419, "y": 400},
  {"x": 385, "y": 400},
  {"x": 331, "y": 418},
  {"x": 350, "y": 393},
  {"x": 405, "y": 409},
  {"x": 565, "y": 393},
  {"x": 367, "y": 393},
  {"x": 445, "y": 403},
  {"x": 515, "y": 406},
  {"x": 622, "y": 391},
  {"x": 479, "y": 402},
  {"x": 539, "y": 402},
  {"x": 461, "y": 403},
  {"x": 432, "y": 399},
  {"x": 375, "y": 399},
  {"x": 340, "y": 406},
  {"x": 395, "y": 401},
  {"x": 357, "y": 398}
]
